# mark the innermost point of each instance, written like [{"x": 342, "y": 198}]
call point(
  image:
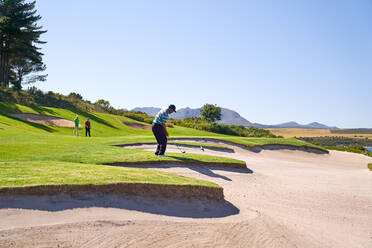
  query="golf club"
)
[{"x": 180, "y": 149}]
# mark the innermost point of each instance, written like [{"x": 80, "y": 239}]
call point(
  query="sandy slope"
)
[
  {"x": 289, "y": 199},
  {"x": 45, "y": 120}
]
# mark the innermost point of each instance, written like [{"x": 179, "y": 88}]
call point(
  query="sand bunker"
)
[
  {"x": 292, "y": 199},
  {"x": 45, "y": 120},
  {"x": 137, "y": 125}
]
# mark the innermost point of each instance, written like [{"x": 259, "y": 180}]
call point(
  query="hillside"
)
[{"x": 103, "y": 124}]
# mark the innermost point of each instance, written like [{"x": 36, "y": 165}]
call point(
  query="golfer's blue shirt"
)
[{"x": 161, "y": 117}]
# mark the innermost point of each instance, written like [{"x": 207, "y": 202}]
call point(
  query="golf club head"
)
[{"x": 180, "y": 149}]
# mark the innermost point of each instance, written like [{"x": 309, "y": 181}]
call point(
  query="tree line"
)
[
  {"x": 73, "y": 101},
  {"x": 20, "y": 56}
]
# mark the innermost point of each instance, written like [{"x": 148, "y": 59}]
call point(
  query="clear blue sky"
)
[{"x": 272, "y": 61}]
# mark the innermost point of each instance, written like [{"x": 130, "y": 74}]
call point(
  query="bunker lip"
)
[
  {"x": 255, "y": 148},
  {"x": 138, "y": 189},
  {"x": 192, "y": 163},
  {"x": 258, "y": 148}
]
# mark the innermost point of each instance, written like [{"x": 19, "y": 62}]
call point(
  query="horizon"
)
[{"x": 271, "y": 62}]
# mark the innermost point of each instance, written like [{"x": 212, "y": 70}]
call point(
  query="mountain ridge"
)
[{"x": 231, "y": 117}]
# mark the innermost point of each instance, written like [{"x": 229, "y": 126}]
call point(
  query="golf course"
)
[
  {"x": 185, "y": 124},
  {"x": 210, "y": 186}
]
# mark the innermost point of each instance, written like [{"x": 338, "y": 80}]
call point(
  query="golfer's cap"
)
[{"x": 173, "y": 107}]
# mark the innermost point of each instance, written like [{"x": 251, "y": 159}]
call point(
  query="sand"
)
[
  {"x": 288, "y": 199},
  {"x": 45, "y": 120}
]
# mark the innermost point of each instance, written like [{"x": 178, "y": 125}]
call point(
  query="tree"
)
[
  {"x": 103, "y": 104},
  {"x": 75, "y": 96},
  {"x": 19, "y": 37},
  {"x": 211, "y": 112}
]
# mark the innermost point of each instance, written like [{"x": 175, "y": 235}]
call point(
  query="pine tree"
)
[{"x": 19, "y": 37}]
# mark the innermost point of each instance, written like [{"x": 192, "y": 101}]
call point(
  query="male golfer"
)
[
  {"x": 87, "y": 127},
  {"x": 76, "y": 128},
  {"x": 160, "y": 130}
]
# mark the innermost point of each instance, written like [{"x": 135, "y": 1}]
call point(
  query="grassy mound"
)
[
  {"x": 19, "y": 174},
  {"x": 370, "y": 166}
]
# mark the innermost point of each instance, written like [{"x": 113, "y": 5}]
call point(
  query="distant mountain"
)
[
  {"x": 148, "y": 110},
  {"x": 228, "y": 116},
  {"x": 186, "y": 113},
  {"x": 317, "y": 125},
  {"x": 293, "y": 124},
  {"x": 231, "y": 117}
]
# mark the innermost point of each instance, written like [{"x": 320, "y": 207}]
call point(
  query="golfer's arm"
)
[{"x": 165, "y": 129}]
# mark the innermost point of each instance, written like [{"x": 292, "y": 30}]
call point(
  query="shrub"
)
[{"x": 34, "y": 96}]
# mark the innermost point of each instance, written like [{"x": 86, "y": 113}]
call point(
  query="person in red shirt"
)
[{"x": 87, "y": 127}]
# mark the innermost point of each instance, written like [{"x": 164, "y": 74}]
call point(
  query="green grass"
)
[
  {"x": 87, "y": 150},
  {"x": 52, "y": 153},
  {"x": 18, "y": 174},
  {"x": 39, "y": 154},
  {"x": 103, "y": 124},
  {"x": 370, "y": 166},
  {"x": 107, "y": 125},
  {"x": 34, "y": 154}
]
